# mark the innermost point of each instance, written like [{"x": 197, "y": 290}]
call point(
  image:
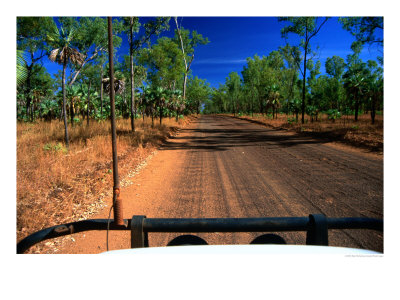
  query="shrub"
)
[
  {"x": 291, "y": 120},
  {"x": 55, "y": 148},
  {"x": 333, "y": 114}
]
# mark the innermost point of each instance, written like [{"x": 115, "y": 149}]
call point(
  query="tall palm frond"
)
[
  {"x": 22, "y": 72},
  {"x": 74, "y": 56}
]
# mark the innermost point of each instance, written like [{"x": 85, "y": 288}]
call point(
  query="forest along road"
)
[{"x": 225, "y": 167}]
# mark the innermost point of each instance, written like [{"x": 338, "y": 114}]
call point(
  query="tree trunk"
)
[
  {"x": 101, "y": 91},
  {"x": 133, "y": 113},
  {"x": 64, "y": 105},
  {"x": 88, "y": 103},
  {"x": 184, "y": 85},
  {"x": 28, "y": 92},
  {"x": 303, "y": 101},
  {"x": 161, "y": 114},
  {"x": 373, "y": 110},
  {"x": 184, "y": 60},
  {"x": 72, "y": 112},
  {"x": 356, "y": 109}
]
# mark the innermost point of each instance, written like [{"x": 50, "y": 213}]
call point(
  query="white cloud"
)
[{"x": 219, "y": 61}]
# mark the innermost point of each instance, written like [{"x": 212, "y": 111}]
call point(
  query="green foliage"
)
[
  {"x": 198, "y": 92},
  {"x": 55, "y": 148},
  {"x": 312, "y": 110},
  {"x": 291, "y": 120},
  {"x": 333, "y": 114},
  {"x": 267, "y": 85},
  {"x": 335, "y": 66},
  {"x": 22, "y": 70},
  {"x": 364, "y": 29}
]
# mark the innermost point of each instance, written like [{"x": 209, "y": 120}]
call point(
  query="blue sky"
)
[{"x": 233, "y": 39}]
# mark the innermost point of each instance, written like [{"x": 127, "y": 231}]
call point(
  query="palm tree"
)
[
  {"x": 160, "y": 98},
  {"x": 176, "y": 102},
  {"x": 149, "y": 103},
  {"x": 273, "y": 96},
  {"x": 75, "y": 96},
  {"x": 62, "y": 53}
]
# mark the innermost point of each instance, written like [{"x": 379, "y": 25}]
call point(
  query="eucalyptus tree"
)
[
  {"x": 42, "y": 86},
  {"x": 131, "y": 27},
  {"x": 31, "y": 43},
  {"x": 198, "y": 92},
  {"x": 290, "y": 72},
  {"x": 272, "y": 77},
  {"x": 355, "y": 78},
  {"x": 140, "y": 75},
  {"x": 367, "y": 30},
  {"x": 306, "y": 28},
  {"x": 375, "y": 87},
  {"x": 251, "y": 80},
  {"x": 63, "y": 53},
  {"x": 314, "y": 102},
  {"x": 335, "y": 66},
  {"x": 218, "y": 100},
  {"x": 232, "y": 83},
  {"x": 188, "y": 41},
  {"x": 164, "y": 64}
]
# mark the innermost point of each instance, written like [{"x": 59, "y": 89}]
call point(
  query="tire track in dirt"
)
[
  {"x": 298, "y": 182},
  {"x": 317, "y": 186}
]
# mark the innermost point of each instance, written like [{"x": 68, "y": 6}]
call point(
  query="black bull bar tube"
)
[{"x": 316, "y": 226}]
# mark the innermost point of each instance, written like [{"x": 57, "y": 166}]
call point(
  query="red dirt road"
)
[{"x": 225, "y": 167}]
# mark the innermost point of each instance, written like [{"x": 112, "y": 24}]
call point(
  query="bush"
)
[
  {"x": 333, "y": 114},
  {"x": 55, "y": 148},
  {"x": 291, "y": 120}
]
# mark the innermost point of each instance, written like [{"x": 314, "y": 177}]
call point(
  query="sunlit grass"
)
[
  {"x": 55, "y": 185},
  {"x": 361, "y": 132}
]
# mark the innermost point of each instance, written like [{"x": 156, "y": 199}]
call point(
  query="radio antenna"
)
[{"x": 117, "y": 201}]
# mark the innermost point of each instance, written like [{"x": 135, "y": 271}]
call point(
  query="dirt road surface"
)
[{"x": 225, "y": 167}]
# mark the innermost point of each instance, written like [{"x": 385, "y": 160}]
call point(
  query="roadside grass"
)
[
  {"x": 361, "y": 133},
  {"x": 56, "y": 186}
]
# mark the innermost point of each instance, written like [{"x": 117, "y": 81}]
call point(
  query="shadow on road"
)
[{"x": 217, "y": 139}]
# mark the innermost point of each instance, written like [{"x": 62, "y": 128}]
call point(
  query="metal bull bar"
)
[{"x": 316, "y": 226}]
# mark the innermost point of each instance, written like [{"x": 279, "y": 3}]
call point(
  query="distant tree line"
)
[{"x": 288, "y": 80}]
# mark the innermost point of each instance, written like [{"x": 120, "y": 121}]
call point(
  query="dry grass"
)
[
  {"x": 361, "y": 133},
  {"x": 56, "y": 186}
]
